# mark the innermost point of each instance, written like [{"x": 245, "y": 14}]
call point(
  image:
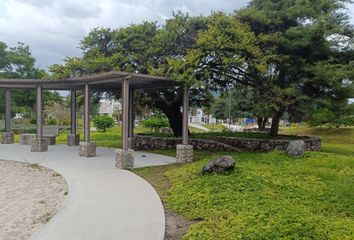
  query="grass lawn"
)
[
  {"x": 270, "y": 195},
  {"x": 334, "y": 140}
]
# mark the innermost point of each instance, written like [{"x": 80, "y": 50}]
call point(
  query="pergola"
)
[{"x": 111, "y": 81}]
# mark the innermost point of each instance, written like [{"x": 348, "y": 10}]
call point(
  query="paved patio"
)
[{"x": 103, "y": 202}]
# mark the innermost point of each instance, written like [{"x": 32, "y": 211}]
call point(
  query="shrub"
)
[
  {"x": 103, "y": 122},
  {"x": 156, "y": 122},
  {"x": 32, "y": 121},
  {"x": 51, "y": 121}
]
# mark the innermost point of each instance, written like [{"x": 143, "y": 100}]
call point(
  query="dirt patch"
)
[{"x": 176, "y": 225}]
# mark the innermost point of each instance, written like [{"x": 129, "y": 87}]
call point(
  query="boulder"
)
[
  {"x": 296, "y": 148},
  {"x": 219, "y": 165}
]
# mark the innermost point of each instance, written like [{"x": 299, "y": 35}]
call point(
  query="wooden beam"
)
[
  {"x": 185, "y": 115},
  {"x": 125, "y": 114},
  {"x": 39, "y": 112},
  {"x": 73, "y": 112},
  {"x": 7, "y": 110},
  {"x": 87, "y": 113}
]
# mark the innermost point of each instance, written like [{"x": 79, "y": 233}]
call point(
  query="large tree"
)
[
  {"x": 142, "y": 48},
  {"x": 18, "y": 62},
  {"x": 284, "y": 50}
]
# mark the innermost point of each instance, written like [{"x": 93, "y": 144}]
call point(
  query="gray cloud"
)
[{"x": 53, "y": 29}]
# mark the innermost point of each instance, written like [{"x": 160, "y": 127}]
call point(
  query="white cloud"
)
[{"x": 53, "y": 29}]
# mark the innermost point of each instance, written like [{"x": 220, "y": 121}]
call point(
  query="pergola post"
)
[
  {"x": 87, "y": 148},
  {"x": 8, "y": 135},
  {"x": 184, "y": 150},
  {"x": 125, "y": 156},
  {"x": 39, "y": 144},
  {"x": 131, "y": 116},
  {"x": 73, "y": 138}
]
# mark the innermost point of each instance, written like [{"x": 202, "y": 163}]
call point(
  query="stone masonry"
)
[
  {"x": 230, "y": 144},
  {"x": 73, "y": 140},
  {"x": 7, "y": 138},
  {"x": 252, "y": 144},
  {"x": 39, "y": 145},
  {"x": 144, "y": 143},
  {"x": 124, "y": 158},
  {"x": 87, "y": 149},
  {"x": 184, "y": 153}
]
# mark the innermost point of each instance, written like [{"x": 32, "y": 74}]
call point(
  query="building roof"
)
[{"x": 104, "y": 81}]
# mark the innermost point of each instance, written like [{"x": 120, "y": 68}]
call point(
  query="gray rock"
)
[
  {"x": 296, "y": 148},
  {"x": 220, "y": 165}
]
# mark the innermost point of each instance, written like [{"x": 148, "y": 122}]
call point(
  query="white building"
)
[
  {"x": 198, "y": 116},
  {"x": 109, "y": 107}
]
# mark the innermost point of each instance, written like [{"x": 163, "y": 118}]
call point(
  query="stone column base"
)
[
  {"x": 73, "y": 140},
  {"x": 7, "y": 138},
  {"x": 124, "y": 158},
  {"x": 184, "y": 153},
  {"x": 39, "y": 145},
  {"x": 87, "y": 149}
]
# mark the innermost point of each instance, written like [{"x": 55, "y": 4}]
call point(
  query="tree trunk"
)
[
  {"x": 275, "y": 123},
  {"x": 259, "y": 123},
  {"x": 262, "y": 122},
  {"x": 171, "y": 110},
  {"x": 175, "y": 117}
]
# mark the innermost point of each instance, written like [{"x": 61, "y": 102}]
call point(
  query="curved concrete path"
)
[{"x": 103, "y": 202}]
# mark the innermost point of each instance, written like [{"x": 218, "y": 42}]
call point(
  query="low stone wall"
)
[
  {"x": 251, "y": 144},
  {"x": 152, "y": 143},
  {"x": 222, "y": 144}
]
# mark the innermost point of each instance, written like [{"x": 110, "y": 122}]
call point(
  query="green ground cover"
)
[{"x": 270, "y": 195}]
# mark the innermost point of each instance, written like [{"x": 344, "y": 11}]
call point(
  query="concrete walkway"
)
[
  {"x": 103, "y": 202},
  {"x": 200, "y": 127}
]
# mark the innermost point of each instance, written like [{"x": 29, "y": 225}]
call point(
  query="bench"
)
[{"x": 50, "y": 133}]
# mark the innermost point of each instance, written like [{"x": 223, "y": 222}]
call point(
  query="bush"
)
[
  {"x": 156, "y": 122},
  {"x": 103, "y": 122},
  {"x": 52, "y": 121},
  {"x": 32, "y": 121}
]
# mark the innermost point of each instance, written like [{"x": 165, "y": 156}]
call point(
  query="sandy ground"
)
[{"x": 29, "y": 196}]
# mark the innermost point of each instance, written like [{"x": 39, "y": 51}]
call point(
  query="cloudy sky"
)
[{"x": 54, "y": 28}]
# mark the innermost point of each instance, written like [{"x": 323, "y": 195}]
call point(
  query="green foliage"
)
[
  {"x": 52, "y": 121},
  {"x": 18, "y": 62},
  {"x": 155, "y": 122},
  {"x": 103, "y": 122},
  {"x": 32, "y": 121},
  {"x": 269, "y": 196}
]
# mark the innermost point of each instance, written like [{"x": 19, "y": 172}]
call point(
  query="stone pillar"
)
[
  {"x": 39, "y": 144},
  {"x": 185, "y": 151},
  {"x": 8, "y": 135},
  {"x": 125, "y": 156},
  {"x": 73, "y": 138},
  {"x": 87, "y": 148},
  {"x": 7, "y": 138}
]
